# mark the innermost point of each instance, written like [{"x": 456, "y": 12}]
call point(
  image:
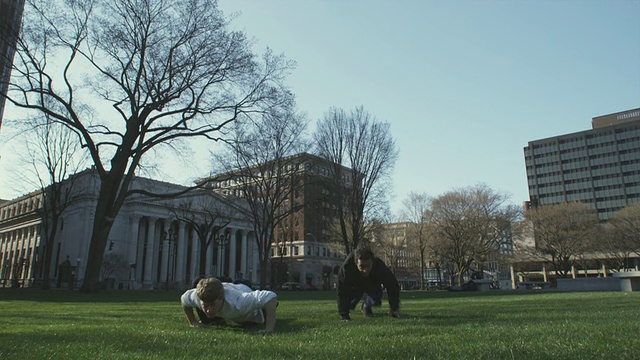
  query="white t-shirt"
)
[{"x": 241, "y": 304}]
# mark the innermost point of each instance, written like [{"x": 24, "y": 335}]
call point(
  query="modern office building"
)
[
  {"x": 10, "y": 19},
  {"x": 600, "y": 167}
]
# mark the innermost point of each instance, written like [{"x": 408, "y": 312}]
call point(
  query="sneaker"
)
[{"x": 366, "y": 311}]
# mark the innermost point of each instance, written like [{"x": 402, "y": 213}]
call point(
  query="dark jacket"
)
[{"x": 350, "y": 280}]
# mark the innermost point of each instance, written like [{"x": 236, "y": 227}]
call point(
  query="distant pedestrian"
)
[
  {"x": 364, "y": 274},
  {"x": 64, "y": 272},
  {"x": 213, "y": 299}
]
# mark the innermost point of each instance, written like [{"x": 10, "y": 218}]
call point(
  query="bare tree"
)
[
  {"x": 207, "y": 214},
  {"x": 265, "y": 169},
  {"x": 562, "y": 232},
  {"x": 363, "y": 154},
  {"x": 113, "y": 264},
  {"x": 470, "y": 226},
  {"x": 621, "y": 238},
  {"x": 54, "y": 155},
  {"x": 390, "y": 244},
  {"x": 525, "y": 253},
  {"x": 131, "y": 77},
  {"x": 417, "y": 210}
]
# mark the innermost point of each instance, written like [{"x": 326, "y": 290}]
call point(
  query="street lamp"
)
[
  {"x": 77, "y": 277},
  {"x": 168, "y": 235},
  {"x": 132, "y": 274},
  {"x": 315, "y": 242},
  {"x": 281, "y": 268},
  {"x": 221, "y": 242}
]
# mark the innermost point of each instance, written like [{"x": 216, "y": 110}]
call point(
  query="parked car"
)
[{"x": 291, "y": 286}]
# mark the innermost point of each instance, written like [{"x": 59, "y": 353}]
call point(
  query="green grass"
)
[{"x": 36, "y": 324}]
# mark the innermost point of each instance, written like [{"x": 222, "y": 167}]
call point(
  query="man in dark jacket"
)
[{"x": 363, "y": 273}]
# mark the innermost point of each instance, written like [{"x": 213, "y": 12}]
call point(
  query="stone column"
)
[
  {"x": 544, "y": 273},
  {"x": 181, "y": 254},
  {"x": 195, "y": 254},
  {"x": 219, "y": 254},
  {"x": 165, "y": 239},
  {"x": 255, "y": 262},
  {"x": 243, "y": 256},
  {"x": 148, "y": 264},
  {"x": 209, "y": 266},
  {"x": 133, "y": 238},
  {"x": 232, "y": 254},
  {"x": 573, "y": 272},
  {"x": 604, "y": 270},
  {"x": 142, "y": 236}
]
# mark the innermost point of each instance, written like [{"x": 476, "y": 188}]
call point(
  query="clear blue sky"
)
[{"x": 464, "y": 84}]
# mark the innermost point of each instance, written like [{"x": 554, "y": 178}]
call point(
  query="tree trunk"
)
[
  {"x": 264, "y": 264},
  {"x": 102, "y": 223},
  {"x": 202, "y": 265},
  {"x": 100, "y": 235},
  {"x": 422, "y": 287},
  {"x": 48, "y": 254},
  {"x": 461, "y": 271}
]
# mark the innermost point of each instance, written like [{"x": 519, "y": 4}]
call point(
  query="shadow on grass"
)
[
  {"x": 139, "y": 296},
  {"x": 282, "y": 326}
]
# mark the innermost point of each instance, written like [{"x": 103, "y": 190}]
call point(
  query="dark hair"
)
[{"x": 363, "y": 253}]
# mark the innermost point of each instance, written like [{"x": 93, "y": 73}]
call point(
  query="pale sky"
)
[{"x": 465, "y": 85}]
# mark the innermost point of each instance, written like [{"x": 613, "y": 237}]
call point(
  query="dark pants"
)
[{"x": 372, "y": 298}]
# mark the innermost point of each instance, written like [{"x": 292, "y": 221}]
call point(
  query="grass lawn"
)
[{"x": 36, "y": 324}]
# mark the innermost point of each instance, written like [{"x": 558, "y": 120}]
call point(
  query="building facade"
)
[
  {"x": 400, "y": 251},
  {"x": 10, "y": 19},
  {"x": 305, "y": 248},
  {"x": 600, "y": 167},
  {"x": 148, "y": 247}
]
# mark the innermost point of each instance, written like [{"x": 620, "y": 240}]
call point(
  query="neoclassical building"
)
[{"x": 149, "y": 246}]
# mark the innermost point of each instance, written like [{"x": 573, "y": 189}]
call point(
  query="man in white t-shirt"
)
[{"x": 234, "y": 302}]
